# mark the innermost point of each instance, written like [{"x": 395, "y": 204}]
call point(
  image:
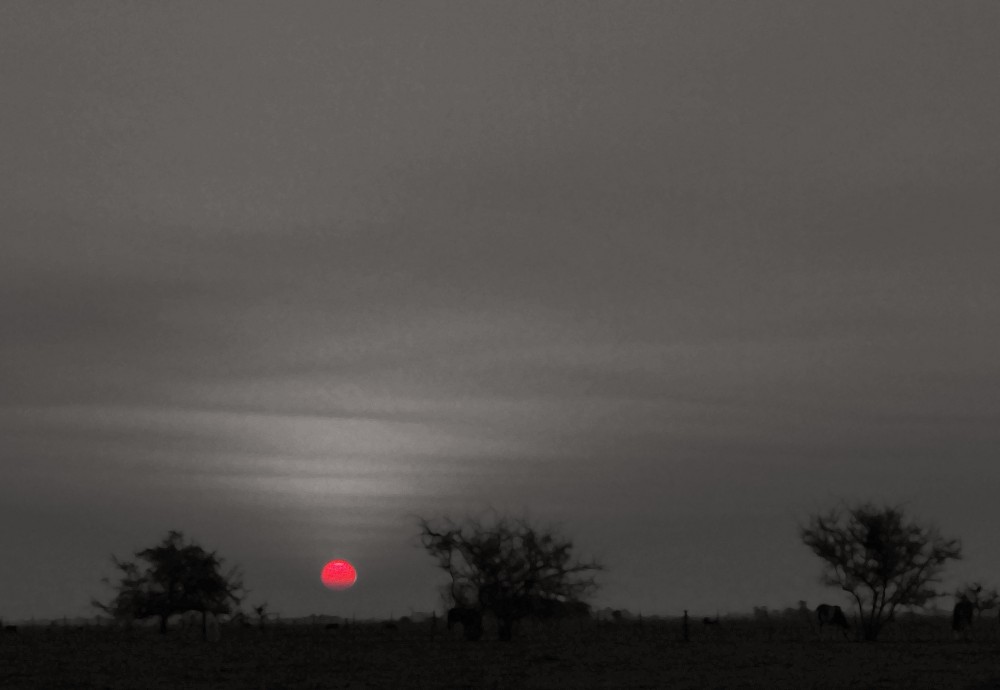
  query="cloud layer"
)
[{"x": 671, "y": 275}]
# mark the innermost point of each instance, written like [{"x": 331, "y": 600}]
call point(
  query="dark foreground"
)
[{"x": 740, "y": 654}]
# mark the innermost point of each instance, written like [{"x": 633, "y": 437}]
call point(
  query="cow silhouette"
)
[
  {"x": 469, "y": 618},
  {"x": 961, "y": 616},
  {"x": 830, "y": 614}
]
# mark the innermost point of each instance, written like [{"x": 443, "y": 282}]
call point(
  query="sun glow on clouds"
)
[
  {"x": 284, "y": 434},
  {"x": 294, "y": 460},
  {"x": 307, "y": 489}
]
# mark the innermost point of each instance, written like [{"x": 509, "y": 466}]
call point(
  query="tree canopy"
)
[
  {"x": 170, "y": 578},
  {"x": 881, "y": 558},
  {"x": 508, "y": 568}
]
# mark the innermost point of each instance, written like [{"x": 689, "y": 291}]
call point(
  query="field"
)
[{"x": 584, "y": 654}]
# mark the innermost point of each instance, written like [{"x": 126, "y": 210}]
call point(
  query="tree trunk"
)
[
  {"x": 163, "y": 624},
  {"x": 204, "y": 625}
]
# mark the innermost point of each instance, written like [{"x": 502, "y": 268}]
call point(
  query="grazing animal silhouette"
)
[
  {"x": 710, "y": 621},
  {"x": 961, "y": 616},
  {"x": 470, "y": 619},
  {"x": 829, "y": 614}
]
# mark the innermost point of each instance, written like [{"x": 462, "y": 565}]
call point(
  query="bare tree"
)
[
  {"x": 880, "y": 558},
  {"x": 170, "y": 578},
  {"x": 508, "y": 568}
]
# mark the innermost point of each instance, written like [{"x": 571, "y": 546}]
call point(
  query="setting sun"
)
[{"x": 339, "y": 574}]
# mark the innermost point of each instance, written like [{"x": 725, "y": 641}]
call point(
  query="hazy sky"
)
[{"x": 670, "y": 275}]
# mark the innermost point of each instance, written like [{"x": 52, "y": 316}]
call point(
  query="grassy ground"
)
[{"x": 735, "y": 654}]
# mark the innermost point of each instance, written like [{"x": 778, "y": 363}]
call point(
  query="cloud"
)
[{"x": 569, "y": 257}]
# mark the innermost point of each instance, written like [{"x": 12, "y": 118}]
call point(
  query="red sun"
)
[{"x": 339, "y": 574}]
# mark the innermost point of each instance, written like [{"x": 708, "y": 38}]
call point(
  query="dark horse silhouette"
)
[
  {"x": 961, "y": 616},
  {"x": 469, "y": 618},
  {"x": 829, "y": 614}
]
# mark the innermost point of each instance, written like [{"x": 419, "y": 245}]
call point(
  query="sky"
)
[{"x": 666, "y": 276}]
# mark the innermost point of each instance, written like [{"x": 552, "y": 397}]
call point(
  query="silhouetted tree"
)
[
  {"x": 880, "y": 558},
  {"x": 170, "y": 578},
  {"x": 508, "y": 568}
]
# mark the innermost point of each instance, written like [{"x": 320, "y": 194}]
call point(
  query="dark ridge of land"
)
[{"x": 579, "y": 654}]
